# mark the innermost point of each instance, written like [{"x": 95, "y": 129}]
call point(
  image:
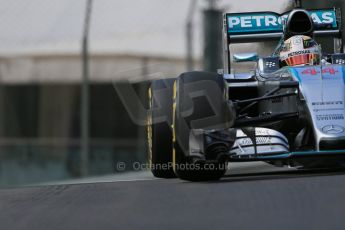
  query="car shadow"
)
[{"x": 275, "y": 175}]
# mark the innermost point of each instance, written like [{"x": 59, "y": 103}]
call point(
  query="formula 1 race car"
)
[{"x": 289, "y": 111}]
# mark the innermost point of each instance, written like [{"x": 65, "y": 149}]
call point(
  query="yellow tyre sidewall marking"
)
[
  {"x": 173, "y": 127},
  {"x": 149, "y": 127}
]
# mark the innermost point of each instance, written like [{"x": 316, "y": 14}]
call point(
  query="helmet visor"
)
[{"x": 303, "y": 59}]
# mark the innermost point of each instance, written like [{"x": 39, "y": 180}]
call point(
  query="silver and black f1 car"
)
[{"x": 279, "y": 113}]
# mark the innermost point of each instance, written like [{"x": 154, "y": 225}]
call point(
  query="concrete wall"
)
[{"x": 103, "y": 68}]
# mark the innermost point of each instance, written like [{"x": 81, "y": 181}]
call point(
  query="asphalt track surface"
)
[{"x": 269, "y": 199}]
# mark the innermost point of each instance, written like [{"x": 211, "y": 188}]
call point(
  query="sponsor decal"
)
[
  {"x": 314, "y": 71},
  {"x": 310, "y": 71},
  {"x": 297, "y": 40},
  {"x": 273, "y": 22},
  {"x": 330, "y": 70},
  {"x": 333, "y": 129},
  {"x": 259, "y": 140},
  {"x": 327, "y": 103},
  {"x": 298, "y": 53},
  {"x": 330, "y": 117}
]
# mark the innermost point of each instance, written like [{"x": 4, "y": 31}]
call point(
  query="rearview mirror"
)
[{"x": 245, "y": 57}]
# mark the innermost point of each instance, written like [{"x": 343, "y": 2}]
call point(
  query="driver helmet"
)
[{"x": 300, "y": 50}]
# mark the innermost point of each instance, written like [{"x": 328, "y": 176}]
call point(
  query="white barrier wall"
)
[{"x": 104, "y": 68}]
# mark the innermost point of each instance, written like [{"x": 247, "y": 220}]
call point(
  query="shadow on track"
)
[{"x": 302, "y": 173}]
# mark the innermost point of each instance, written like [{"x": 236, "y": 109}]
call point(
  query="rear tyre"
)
[
  {"x": 159, "y": 132},
  {"x": 198, "y": 113}
]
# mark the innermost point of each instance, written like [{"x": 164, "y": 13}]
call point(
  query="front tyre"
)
[
  {"x": 159, "y": 132},
  {"x": 206, "y": 110}
]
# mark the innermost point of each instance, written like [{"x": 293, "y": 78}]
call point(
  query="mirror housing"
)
[{"x": 246, "y": 57}]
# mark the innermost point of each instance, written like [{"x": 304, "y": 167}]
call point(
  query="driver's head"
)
[{"x": 300, "y": 50}]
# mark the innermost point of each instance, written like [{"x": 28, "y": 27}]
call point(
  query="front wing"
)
[{"x": 289, "y": 155}]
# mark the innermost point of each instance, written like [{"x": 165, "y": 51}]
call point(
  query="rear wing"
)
[
  {"x": 262, "y": 26},
  {"x": 268, "y": 26}
]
